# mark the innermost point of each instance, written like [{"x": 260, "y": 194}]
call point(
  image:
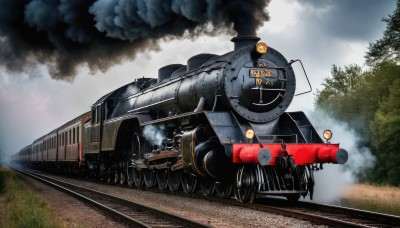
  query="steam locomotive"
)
[{"x": 217, "y": 124}]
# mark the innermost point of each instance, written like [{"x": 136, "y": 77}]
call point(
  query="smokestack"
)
[{"x": 242, "y": 41}]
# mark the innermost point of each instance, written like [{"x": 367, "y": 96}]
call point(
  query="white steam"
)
[
  {"x": 330, "y": 180},
  {"x": 154, "y": 134}
]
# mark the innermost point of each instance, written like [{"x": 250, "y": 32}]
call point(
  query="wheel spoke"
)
[
  {"x": 207, "y": 186},
  {"x": 162, "y": 178},
  {"x": 174, "y": 180},
  {"x": 131, "y": 178},
  {"x": 149, "y": 178},
  {"x": 189, "y": 182},
  {"x": 223, "y": 190},
  {"x": 122, "y": 177},
  {"x": 245, "y": 184},
  {"x": 138, "y": 177},
  {"x": 108, "y": 176},
  {"x": 116, "y": 176}
]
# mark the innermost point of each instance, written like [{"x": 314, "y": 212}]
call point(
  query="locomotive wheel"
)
[
  {"x": 162, "y": 178},
  {"x": 122, "y": 176},
  {"x": 207, "y": 186},
  {"x": 245, "y": 184},
  {"x": 149, "y": 178},
  {"x": 189, "y": 182},
  {"x": 138, "y": 178},
  {"x": 108, "y": 175},
  {"x": 130, "y": 175},
  {"x": 223, "y": 190},
  {"x": 174, "y": 180},
  {"x": 116, "y": 176}
]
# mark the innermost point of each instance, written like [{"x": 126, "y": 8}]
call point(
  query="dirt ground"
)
[{"x": 72, "y": 212}]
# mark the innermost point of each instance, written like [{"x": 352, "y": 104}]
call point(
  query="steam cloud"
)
[
  {"x": 65, "y": 34},
  {"x": 154, "y": 134},
  {"x": 332, "y": 178}
]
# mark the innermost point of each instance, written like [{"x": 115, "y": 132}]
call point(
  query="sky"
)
[{"x": 319, "y": 33}]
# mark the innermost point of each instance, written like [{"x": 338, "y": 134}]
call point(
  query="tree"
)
[
  {"x": 385, "y": 130},
  {"x": 388, "y": 47},
  {"x": 339, "y": 95}
]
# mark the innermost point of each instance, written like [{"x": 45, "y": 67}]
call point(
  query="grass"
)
[
  {"x": 19, "y": 207},
  {"x": 383, "y": 199}
]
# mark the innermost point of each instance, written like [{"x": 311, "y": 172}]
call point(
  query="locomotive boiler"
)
[{"x": 217, "y": 123}]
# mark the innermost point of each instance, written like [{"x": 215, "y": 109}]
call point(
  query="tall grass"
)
[
  {"x": 383, "y": 199},
  {"x": 20, "y": 207}
]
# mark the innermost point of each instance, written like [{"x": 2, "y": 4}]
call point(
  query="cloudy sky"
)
[{"x": 320, "y": 33}]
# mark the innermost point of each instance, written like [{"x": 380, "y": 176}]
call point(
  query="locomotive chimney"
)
[{"x": 242, "y": 41}]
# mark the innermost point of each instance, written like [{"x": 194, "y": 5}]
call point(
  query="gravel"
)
[{"x": 213, "y": 213}]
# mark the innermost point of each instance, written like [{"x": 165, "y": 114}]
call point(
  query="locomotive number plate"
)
[{"x": 260, "y": 73}]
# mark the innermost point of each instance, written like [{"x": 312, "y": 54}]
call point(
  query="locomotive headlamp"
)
[
  {"x": 327, "y": 135},
  {"x": 261, "y": 47},
  {"x": 250, "y": 134}
]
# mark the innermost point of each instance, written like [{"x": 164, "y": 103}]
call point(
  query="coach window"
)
[
  {"x": 93, "y": 119},
  {"x": 77, "y": 134},
  {"x": 98, "y": 114},
  {"x": 73, "y": 136},
  {"x": 69, "y": 134}
]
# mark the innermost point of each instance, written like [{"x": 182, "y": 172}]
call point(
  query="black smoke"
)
[{"x": 66, "y": 34}]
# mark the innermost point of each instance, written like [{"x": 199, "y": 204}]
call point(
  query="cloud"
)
[{"x": 350, "y": 20}]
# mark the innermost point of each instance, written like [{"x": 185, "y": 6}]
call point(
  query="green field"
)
[
  {"x": 383, "y": 199},
  {"x": 19, "y": 207}
]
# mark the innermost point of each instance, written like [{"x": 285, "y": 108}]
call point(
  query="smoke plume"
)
[{"x": 66, "y": 34}]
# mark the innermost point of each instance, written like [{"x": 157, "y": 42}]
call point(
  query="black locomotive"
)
[{"x": 218, "y": 122}]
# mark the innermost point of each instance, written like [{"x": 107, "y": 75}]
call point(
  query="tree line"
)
[{"x": 369, "y": 101}]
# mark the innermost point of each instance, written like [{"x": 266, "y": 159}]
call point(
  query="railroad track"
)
[
  {"x": 133, "y": 214},
  {"x": 331, "y": 215},
  {"x": 317, "y": 213},
  {"x": 327, "y": 214}
]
